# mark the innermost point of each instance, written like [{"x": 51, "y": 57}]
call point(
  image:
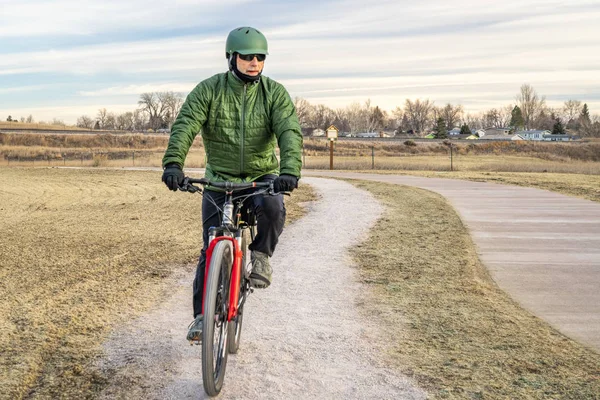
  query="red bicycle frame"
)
[{"x": 236, "y": 271}]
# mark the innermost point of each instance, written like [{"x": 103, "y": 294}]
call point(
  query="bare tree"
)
[
  {"x": 340, "y": 120},
  {"x": 321, "y": 116},
  {"x": 475, "y": 121},
  {"x": 173, "y": 102},
  {"x": 111, "y": 121},
  {"x": 151, "y": 104},
  {"x": 124, "y": 122},
  {"x": 354, "y": 115},
  {"x": 497, "y": 117},
  {"x": 139, "y": 120},
  {"x": 546, "y": 119},
  {"x": 530, "y": 104},
  {"x": 378, "y": 119},
  {"x": 303, "y": 110},
  {"x": 397, "y": 116},
  {"x": 570, "y": 112},
  {"x": 451, "y": 114},
  {"x": 419, "y": 114},
  {"x": 30, "y": 119},
  {"x": 102, "y": 117},
  {"x": 85, "y": 122}
]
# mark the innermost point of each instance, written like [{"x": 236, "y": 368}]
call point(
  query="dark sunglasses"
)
[{"x": 250, "y": 57}]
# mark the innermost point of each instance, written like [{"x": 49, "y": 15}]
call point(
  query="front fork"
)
[{"x": 236, "y": 272}]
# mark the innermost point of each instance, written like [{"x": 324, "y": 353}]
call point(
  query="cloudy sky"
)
[{"x": 67, "y": 58}]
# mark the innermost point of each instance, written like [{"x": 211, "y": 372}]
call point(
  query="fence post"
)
[
  {"x": 133, "y": 159},
  {"x": 372, "y": 157},
  {"x": 303, "y": 158},
  {"x": 451, "y": 161}
]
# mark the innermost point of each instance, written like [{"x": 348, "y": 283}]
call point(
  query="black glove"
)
[
  {"x": 285, "y": 183},
  {"x": 173, "y": 176}
]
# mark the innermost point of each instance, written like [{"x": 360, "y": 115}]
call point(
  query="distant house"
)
[
  {"x": 368, "y": 134},
  {"x": 533, "y": 134},
  {"x": 478, "y": 132},
  {"x": 557, "y": 138},
  {"x": 497, "y": 131},
  {"x": 472, "y": 137},
  {"x": 496, "y": 137},
  {"x": 454, "y": 131},
  {"x": 318, "y": 132}
]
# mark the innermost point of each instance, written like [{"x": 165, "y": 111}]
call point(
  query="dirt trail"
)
[{"x": 304, "y": 337}]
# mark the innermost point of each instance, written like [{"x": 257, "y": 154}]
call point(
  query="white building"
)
[{"x": 533, "y": 134}]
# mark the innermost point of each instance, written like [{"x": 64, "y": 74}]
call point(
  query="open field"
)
[
  {"x": 82, "y": 251},
  {"x": 441, "y": 162},
  {"x": 146, "y": 150},
  {"x": 448, "y": 324},
  {"x": 35, "y": 126}
]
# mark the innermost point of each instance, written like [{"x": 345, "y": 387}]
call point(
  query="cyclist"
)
[{"x": 242, "y": 116}]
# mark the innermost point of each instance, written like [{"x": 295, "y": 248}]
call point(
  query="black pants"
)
[{"x": 270, "y": 217}]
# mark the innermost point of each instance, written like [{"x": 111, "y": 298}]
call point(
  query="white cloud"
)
[
  {"x": 334, "y": 52},
  {"x": 26, "y": 18},
  {"x": 139, "y": 89}
]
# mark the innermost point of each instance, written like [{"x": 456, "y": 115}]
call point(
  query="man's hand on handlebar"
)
[
  {"x": 173, "y": 176},
  {"x": 285, "y": 183}
]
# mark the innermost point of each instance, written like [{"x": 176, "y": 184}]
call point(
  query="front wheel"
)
[
  {"x": 235, "y": 326},
  {"x": 215, "y": 329}
]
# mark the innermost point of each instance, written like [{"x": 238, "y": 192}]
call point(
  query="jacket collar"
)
[{"x": 237, "y": 85}]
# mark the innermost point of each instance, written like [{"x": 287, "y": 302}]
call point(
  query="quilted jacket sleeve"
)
[
  {"x": 286, "y": 127},
  {"x": 189, "y": 122}
]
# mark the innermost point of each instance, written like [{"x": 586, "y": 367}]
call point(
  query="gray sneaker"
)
[
  {"x": 195, "y": 330},
  {"x": 260, "y": 277}
]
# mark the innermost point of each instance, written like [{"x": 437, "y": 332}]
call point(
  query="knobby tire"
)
[
  {"x": 235, "y": 326},
  {"x": 215, "y": 332}
]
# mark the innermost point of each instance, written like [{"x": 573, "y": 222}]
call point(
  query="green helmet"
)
[{"x": 246, "y": 40}]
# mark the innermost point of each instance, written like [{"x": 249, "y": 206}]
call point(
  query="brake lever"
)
[{"x": 186, "y": 186}]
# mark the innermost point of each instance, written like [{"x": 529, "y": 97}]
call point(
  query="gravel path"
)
[{"x": 304, "y": 337}]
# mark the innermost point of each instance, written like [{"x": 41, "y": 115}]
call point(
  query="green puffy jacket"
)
[{"x": 241, "y": 126}]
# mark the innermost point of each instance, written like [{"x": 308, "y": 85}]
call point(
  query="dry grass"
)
[
  {"x": 442, "y": 162},
  {"x": 448, "y": 324},
  {"x": 34, "y": 126},
  {"x": 83, "y": 251}
]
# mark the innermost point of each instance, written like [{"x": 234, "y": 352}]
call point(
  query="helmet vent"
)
[{"x": 248, "y": 31}]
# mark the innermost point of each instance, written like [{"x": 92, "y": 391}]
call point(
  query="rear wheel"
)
[{"x": 216, "y": 306}]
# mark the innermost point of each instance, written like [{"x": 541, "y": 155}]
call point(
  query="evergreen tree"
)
[
  {"x": 558, "y": 128},
  {"x": 440, "y": 129},
  {"x": 9, "y": 119},
  {"x": 516, "y": 120},
  {"x": 465, "y": 130},
  {"x": 584, "y": 117}
]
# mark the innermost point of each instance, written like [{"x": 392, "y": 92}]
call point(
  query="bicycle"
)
[{"x": 226, "y": 281}]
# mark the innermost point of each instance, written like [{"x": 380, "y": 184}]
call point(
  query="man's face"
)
[{"x": 251, "y": 68}]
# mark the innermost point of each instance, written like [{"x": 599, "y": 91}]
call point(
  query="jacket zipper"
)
[{"x": 243, "y": 123}]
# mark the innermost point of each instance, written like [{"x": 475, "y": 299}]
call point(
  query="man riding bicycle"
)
[{"x": 243, "y": 116}]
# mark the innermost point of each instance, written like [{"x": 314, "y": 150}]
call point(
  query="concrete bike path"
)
[{"x": 541, "y": 247}]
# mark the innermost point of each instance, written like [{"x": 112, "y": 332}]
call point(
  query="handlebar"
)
[{"x": 188, "y": 186}]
